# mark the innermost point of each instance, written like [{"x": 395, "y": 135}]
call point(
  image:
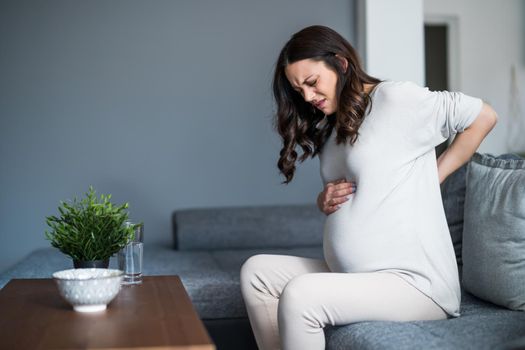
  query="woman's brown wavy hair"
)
[{"x": 297, "y": 120}]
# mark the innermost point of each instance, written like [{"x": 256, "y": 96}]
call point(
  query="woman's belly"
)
[{"x": 365, "y": 237}]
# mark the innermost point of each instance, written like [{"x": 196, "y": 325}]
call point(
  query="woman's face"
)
[{"x": 315, "y": 82}]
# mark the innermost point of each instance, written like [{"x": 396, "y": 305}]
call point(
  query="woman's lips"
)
[{"x": 320, "y": 104}]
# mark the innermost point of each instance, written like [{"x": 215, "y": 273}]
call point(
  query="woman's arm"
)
[{"x": 466, "y": 142}]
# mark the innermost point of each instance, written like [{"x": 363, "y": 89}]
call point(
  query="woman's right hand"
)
[{"x": 334, "y": 194}]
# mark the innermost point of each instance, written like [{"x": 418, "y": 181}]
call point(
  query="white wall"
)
[
  {"x": 491, "y": 38},
  {"x": 390, "y": 39}
]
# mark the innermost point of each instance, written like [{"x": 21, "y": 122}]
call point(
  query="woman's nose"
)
[{"x": 309, "y": 95}]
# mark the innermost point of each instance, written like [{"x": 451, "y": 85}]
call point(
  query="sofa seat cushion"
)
[
  {"x": 481, "y": 326},
  {"x": 222, "y": 298},
  {"x": 158, "y": 260},
  {"x": 40, "y": 263}
]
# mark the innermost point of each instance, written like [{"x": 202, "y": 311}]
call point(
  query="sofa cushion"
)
[
  {"x": 232, "y": 260},
  {"x": 227, "y": 300},
  {"x": 276, "y": 226},
  {"x": 494, "y": 230},
  {"x": 453, "y": 195},
  {"x": 481, "y": 326},
  {"x": 158, "y": 260},
  {"x": 40, "y": 263}
]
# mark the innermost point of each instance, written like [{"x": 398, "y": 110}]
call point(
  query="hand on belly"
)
[{"x": 334, "y": 195}]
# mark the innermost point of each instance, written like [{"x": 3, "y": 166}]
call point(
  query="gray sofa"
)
[{"x": 211, "y": 244}]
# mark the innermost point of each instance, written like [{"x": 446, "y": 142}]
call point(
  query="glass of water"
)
[{"x": 130, "y": 257}]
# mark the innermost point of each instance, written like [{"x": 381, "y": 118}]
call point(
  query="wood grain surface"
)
[{"x": 157, "y": 314}]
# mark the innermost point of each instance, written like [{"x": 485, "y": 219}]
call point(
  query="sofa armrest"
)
[{"x": 271, "y": 226}]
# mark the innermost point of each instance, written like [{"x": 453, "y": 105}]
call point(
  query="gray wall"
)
[{"x": 163, "y": 104}]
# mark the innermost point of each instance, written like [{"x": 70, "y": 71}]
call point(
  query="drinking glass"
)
[{"x": 130, "y": 257}]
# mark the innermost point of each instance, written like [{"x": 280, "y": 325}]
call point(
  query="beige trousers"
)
[{"x": 291, "y": 299}]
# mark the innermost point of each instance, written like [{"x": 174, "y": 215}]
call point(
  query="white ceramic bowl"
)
[{"x": 88, "y": 290}]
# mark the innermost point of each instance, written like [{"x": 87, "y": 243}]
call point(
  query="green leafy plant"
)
[{"x": 90, "y": 229}]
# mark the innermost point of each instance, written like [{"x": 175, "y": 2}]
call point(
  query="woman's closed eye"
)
[{"x": 311, "y": 84}]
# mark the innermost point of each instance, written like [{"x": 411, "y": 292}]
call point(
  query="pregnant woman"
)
[{"x": 388, "y": 255}]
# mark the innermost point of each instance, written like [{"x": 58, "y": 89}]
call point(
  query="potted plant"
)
[{"x": 91, "y": 230}]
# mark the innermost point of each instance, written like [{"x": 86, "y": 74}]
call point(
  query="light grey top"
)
[{"x": 395, "y": 221}]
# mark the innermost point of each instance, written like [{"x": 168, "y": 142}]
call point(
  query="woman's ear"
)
[{"x": 344, "y": 62}]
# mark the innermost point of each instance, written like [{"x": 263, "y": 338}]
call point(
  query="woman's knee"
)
[
  {"x": 298, "y": 294},
  {"x": 253, "y": 273},
  {"x": 299, "y": 303},
  {"x": 252, "y": 264}
]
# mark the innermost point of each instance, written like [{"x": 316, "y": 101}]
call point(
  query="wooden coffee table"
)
[{"x": 157, "y": 314}]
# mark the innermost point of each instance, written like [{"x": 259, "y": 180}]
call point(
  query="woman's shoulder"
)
[
  {"x": 400, "y": 86},
  {"x": 401, "y": 90}
]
